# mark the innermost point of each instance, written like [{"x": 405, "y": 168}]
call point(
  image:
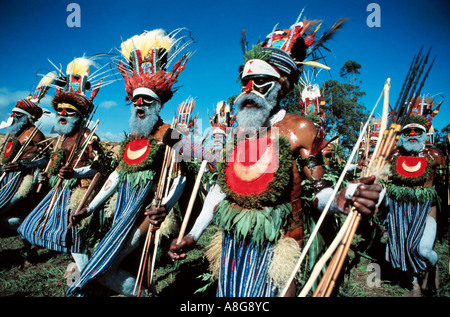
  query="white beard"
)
[
  {"x": 69, "y": 126},
  {"x": 144, "y": 126},
  {"x": 412, "y": 147},
  {"x": 17, "y": 125},
  {"x": 251, "y": 119}
]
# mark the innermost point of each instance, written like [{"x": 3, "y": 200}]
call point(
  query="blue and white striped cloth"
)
[
  {"x": 244, "y": 269},
  {"x": 406, "y": 225},
  {"x": 9, "y": 186},
  {"x": 55, "y": 235},
  {"x": 129, "y": 203}
]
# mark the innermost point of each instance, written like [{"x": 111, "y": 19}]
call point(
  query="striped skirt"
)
[
  {"x": 406, "y": 223},
  {"x": 244, "y": 269},
  {"x": 55, "y": 235},
  {"x": 9, "y": 186},
  {"x": 129, "y": 204}
]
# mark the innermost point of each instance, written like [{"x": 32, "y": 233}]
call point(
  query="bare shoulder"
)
[
  {"x": 159, "y": 133},
  {"x": 301, "y": 132},
  {"x": 439, "y": 158}
]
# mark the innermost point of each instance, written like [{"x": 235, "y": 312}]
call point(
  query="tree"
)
[{"x": 343, "y": 109}]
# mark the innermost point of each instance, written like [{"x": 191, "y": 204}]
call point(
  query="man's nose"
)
[{"x": 249, "y": 86}]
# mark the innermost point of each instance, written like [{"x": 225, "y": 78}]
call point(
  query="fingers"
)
[
  {"x": 368, "y": 191},
  {"x": 364, "y": 206},
  {"x": 66, "y": 172},
  {"x": 12, "y": 167},
  {"x": 366, "y": 180},
  {"x": 156, "y": 215},
  {"x": 366, "y": 198},
  {"x": 175, "y": 250}
]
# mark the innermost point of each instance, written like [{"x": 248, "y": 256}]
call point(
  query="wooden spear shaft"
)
[
  {"x": 22, "y": 149},
  {"x": 58, "y": 143},
  {"x": 327, "y": 206},
  {"x": 342, "y": 252},
  {"x": 334, "y": 264},
  {"x": 192, "y": 200},
  {"x": 58, "y": 184},
  {"x": 149, "y": 236}
]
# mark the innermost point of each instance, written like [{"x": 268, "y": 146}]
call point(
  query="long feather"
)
[{"x": 327, "y": 35}]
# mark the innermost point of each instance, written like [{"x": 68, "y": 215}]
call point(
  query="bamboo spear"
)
[
  {"x": 191, "y": 201},
  {"x": 49, "y": 163},
  {"x": 55, "y": 195},
  {"x": 32, "y": 160},
  {"x": 149, "y": 237},
  {"x": 381, "y": 158},
  {"x": 22, "y": 149},
  {"x": 343, "y": 234},
  {"x": 327, "y": 206}
]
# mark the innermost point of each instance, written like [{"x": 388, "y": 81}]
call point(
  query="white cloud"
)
[
  {"x": 9, "y": 98},
  {"x": 109, "y": 136},
  {"x": 108, "y": 104}
]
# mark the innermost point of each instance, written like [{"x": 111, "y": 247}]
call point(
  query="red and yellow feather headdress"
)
[{"x": 147, "y": 58}]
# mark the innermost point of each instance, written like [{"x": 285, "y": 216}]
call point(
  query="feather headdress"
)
[
  {"x": 30, "y": 105},
  {"x": 287, "y": 49},
  {"x": 423, "y": 111},
  {"x": 73, "y": 85},
  {"x": 147, "y": 58}
]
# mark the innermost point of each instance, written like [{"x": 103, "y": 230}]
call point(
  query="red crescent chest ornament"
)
[
  {"x": 8, "y": 149},
  {"x": 411, "y": 166},
  {"x": 136, "y": 151},
  {"x": 251, "y": 166}
]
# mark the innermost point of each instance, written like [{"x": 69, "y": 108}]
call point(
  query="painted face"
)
[
  {"x": 258, "y": 98},
  {"x": 144, "y": 114},
  {"x": 68, "y": 120},
  {"x": 412, "y": 139},
  {"x": 19, "y": 121}
]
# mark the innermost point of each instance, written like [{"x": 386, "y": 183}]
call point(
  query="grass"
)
[{"x": 42, "y": 274}]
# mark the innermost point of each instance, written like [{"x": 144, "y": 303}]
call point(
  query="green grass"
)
[{"x": 43, "y": 275}]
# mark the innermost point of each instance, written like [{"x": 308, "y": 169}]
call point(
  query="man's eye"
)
[{"x": 260, "y": 81}]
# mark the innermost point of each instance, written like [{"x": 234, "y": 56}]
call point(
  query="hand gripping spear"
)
[
  {"x": 57, "y": 145},
  {"x": 57, "y": 190},
  {"x": 150, "y": 237},
  {"x": 182, "y": 119}
]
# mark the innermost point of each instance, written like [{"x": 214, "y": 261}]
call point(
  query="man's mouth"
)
[
  {"x": 62, "y": 121},
  {"x": 140, "y": 113},
  {"x": 249, "y": 103}
]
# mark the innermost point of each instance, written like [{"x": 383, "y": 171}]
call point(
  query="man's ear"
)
[{"x": 285, "y": 86}]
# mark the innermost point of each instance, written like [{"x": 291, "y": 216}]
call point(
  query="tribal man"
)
[
  {"x": 131, "y": 186},
  {"x": 258, "y": 207},
  {"x": 412, "y": 204},
  {"x": 19, "y": 174},
  {"x": 71, "y": 168}
]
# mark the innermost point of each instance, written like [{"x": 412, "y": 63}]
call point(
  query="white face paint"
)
[
  {"x": 67, "y": 122},
  {"x": 253, "y": 108},
  {"x": 144, "y": 115},
  {"x": 18, "y": 122},
  {"x": 412, "y": 139}
]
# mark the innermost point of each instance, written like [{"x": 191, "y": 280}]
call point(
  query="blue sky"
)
[{"x": 31, "y": 32}]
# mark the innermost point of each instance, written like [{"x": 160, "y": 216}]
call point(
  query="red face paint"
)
[{"x": 249, "y": 86}]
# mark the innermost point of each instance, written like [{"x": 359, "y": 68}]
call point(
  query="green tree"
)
[{"x": 344, "y": 111}]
